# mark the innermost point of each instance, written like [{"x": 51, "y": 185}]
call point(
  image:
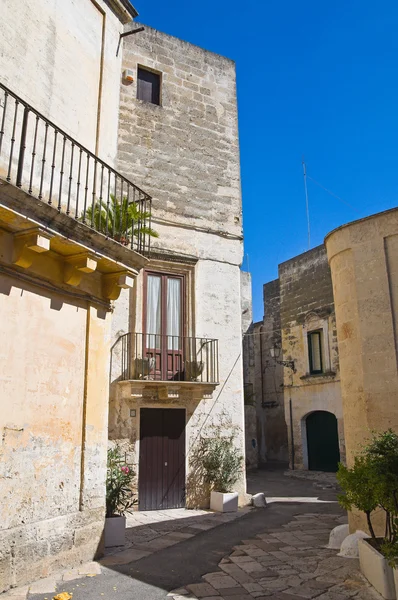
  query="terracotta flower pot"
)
[{"x": 115, "y": 531}]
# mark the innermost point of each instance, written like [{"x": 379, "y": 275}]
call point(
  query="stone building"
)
[
  {"x": 176, "y": 361},
  {"x": 296, "y": 371},
  {"x": 59, "y": 273},
  {"x": 363, "y": 258},
  {"x": 78, "y": 145}
]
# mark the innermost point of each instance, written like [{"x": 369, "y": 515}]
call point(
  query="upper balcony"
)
[
  {"x": 169, "y": 365},
  {"x": 51, "y": 180}
]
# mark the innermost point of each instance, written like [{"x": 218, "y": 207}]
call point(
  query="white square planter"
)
[
  {"x": 396, "y": 580},
  {"x": 224, "y": 502},
  {"x": 376, "y": 570},
  {"x": 115, "y": 531}
]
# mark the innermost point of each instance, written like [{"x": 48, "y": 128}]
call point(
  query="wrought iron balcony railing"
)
[
  {"x": 47, "y": 163},
  {"x": 156, "y": 357}
]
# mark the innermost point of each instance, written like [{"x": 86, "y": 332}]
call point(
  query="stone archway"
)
[{"x": 322, "y": 441}]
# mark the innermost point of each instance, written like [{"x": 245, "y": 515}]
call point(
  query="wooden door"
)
[
  {"x": 161, "y": 477},
  {"x": 322, "y": 441}
]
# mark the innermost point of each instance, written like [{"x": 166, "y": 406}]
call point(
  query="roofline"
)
[
  {"x": 130, "y": 8},
  {"x": 368, "y": 218},
  {"x": 123, "y": 9}
]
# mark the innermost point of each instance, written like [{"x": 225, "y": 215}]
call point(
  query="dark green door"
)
[{"x": 322, "y": 441}]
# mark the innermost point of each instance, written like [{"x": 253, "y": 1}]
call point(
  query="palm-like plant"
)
[{"x": 121, "y": 219}]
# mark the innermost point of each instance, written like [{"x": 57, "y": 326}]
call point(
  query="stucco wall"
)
[
  {"x": 52, "y": 458},
  {"x": 363, "y": 258},
  {"x": 59, "y": 44},
  {"x": 185, "y": 154}
]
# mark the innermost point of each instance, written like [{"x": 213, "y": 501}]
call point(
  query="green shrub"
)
[
  {"x": 221, "y": 462},
  {"x": 119, "y": 495},
  {"x": 373, "y": 483}
]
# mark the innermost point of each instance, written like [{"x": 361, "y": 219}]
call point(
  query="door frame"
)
[{"x": 138, "y": 445}]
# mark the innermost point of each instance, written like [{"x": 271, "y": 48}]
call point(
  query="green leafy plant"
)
[
  {"x": 193, "y": 370},
  {"x": 372, "y": 483},
  {"x": 119, "y": 495},
  {"x": 221, "y": 462},
  {"x": 121, "y": 219},
  {"x": 358, "y": 491}
]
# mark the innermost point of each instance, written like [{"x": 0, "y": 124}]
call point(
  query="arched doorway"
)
[{"x": 322, "y": 441}]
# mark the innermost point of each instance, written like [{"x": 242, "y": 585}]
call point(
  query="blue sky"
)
[{"x": 315, "y": 78}]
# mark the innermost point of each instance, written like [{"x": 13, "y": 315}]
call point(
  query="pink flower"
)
[{"x": 125, "y": 470}]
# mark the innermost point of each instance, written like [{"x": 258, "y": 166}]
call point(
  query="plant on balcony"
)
[
  {"x": 122, "y": 220},
  {"x": 370, "y": 485},
  {"x": 143, "y": 367},
  {"x": 193, "y": 370},
  {"x": 120, "y": 497}
]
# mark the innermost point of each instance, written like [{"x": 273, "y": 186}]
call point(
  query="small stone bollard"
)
[{"x": 259, "y": 500}]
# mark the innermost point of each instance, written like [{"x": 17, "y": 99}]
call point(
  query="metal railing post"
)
[{"x": 22, "y": 146}]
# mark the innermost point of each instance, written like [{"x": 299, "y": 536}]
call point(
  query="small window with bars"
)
[
  {"x": 315, "y": 353},
  {"x": 148, "y": 86}
]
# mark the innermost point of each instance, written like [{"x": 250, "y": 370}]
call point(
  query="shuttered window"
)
[
  {"x": 315, "y": 352},
  {"x": 148, "y": 86}
]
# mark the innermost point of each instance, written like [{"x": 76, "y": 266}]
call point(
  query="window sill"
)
[{"x": 326, "y": 375}]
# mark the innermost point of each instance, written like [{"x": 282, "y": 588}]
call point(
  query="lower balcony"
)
[{"x": 168, "y": 364}]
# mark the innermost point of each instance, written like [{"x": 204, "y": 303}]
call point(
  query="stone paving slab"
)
[{"x": 285, "y": 564}]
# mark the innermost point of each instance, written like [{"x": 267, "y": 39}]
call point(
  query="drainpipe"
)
[
  {"x": 261, "y": 365},
  {"x": 291, "y": 431}
]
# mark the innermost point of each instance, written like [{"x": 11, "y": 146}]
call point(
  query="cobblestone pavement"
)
[
  {"x": 150, "y": 531},
  {"x": 288, "y": 563},
  {"x": 319, "y": 479}
]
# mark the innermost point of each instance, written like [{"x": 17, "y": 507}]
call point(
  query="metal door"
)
[
  {"x": 161, "y": 477},
  {"x": 322, "y": 441}
]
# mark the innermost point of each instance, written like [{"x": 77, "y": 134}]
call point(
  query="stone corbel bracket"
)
[
  {"x": 76, "y": 265},
  {"x": 27, "y": 244},
  {"x": 113, "y": 283}
]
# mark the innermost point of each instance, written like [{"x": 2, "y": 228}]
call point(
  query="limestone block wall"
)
[
  {"x": 363, "y": 258},
  {"x": 185, "y": 154},
  {"x": 54, "y": 368},
  {"x": 270, "y": 404},
  {"x": 307, "y": 304}
]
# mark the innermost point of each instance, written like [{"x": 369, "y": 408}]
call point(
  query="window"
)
[
  {"x": 315, "y": 352},
  {"x": 164, "y": 323},
  {"x": 148, "y": 86}
]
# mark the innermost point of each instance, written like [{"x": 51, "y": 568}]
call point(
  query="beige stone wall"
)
[
  {"x": 299, "y": 301},
  {"x": 363, "y": 258},
  {"x": 53, "y": 427},
  {"x": 69, "y": 48}
]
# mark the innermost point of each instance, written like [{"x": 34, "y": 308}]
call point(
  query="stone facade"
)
[
  {"x": 296, "y": 304},
  {"x": 185, "y": 152},
  {"x": 363, "y": 258},
  {"x": 248, "y": 381},
  {"x": 57, "y": 278}
]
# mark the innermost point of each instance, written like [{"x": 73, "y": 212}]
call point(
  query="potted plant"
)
[
  {"x": 193, "y": 370},
  {"x": 119, "y": 497},
  {"x": 372, "y": 483},
  {"x": 118, "y": 219},
  {"x": 143, "y": 367},
  {"x": 222, "y": 464}
]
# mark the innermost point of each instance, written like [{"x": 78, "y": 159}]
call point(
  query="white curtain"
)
[
  {"x": 174, "y": 313},
  {"x": 153, "y": 311},
  {"x": 316, "y": 352}
]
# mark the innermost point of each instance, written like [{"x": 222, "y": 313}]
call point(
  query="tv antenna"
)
[{"x": 306, "y": 201}]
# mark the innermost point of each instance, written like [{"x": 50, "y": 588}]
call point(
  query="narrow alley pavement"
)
[{"x": 278, "y": 552}]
